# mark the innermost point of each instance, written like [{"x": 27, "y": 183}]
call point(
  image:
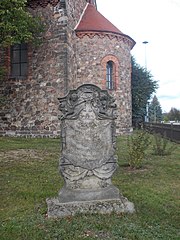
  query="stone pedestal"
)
[
  {"x": 58, "y": 209},
  {"x": 88, "y": 161}
]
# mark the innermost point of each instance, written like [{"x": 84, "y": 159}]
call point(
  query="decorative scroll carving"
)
[
  {"x": 99, "y": 101},
  {"x": 87, "y": 161},
  {"x": 88, "y": 137}
]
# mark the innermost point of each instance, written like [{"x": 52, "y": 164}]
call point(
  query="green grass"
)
[{"x": 29, "y": 174}]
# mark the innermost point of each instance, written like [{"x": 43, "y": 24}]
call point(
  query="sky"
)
[{"x": 158, "y": 23}]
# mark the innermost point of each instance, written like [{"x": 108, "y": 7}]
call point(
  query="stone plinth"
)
[
  {"x": 88, "y": 158},
  {"x": 58, "y": 209}
]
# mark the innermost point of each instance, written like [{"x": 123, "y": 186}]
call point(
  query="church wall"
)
[
  {"x": 74, "y": 11},
  {"x": 31, "y": 106},
  {"x": 90, "y": 53},
  {"x": 63, "y": 61}
]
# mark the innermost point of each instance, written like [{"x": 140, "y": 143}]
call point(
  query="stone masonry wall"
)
[
  {"x": 74, "y": 11},
  {"x": 62, "y": 62},
  {"x": 90, "y": 53},
  {"x": 31, "y": 104}
]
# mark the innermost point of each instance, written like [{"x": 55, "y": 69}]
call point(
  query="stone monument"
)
[{"x": 88, "y": 158}]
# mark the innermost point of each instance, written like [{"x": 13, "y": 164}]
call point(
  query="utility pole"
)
[
  {"x": 145, "y": 54},
  {"x": 145, "y": 64}
]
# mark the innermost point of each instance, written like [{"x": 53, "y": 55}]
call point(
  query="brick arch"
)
[{"x": 115, "y": 61}]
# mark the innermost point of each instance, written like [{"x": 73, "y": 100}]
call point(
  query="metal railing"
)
[{"x": 169, "y": 131}]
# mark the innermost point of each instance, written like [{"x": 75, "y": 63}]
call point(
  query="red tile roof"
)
[{"x": 92, "y": 20}]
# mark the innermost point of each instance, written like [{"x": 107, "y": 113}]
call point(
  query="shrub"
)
[
  {"x": 162, "y": 146},
  {"x": 138, "y": 143},
  {"x": 2, "y": 73}
]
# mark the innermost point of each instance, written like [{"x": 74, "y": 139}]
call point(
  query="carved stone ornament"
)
[
  {"x": 88, "y": 158},
  {"x": 88, "y": 95},
  {"x": 88, "y": 130}
]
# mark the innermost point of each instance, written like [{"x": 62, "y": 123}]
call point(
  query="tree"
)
[
  {"x": 143, "y": 86},
  {"x": 16, "y": 23},
  {"x": 155, "y": 110},
  {"x": 174, "y": 114}
]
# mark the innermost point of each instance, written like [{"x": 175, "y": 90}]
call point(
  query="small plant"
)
[
  {"x": 138, "y": 143},
  {"x": 162, "y": 146},
  {"x": 2, "y": 73}
]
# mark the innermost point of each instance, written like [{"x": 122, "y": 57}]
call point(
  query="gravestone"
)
[{"x": 88, "y": 158}]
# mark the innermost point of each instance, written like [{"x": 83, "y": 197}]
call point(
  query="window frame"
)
[
  {"x": 114, "y": 73},
  {"x": 19, "y": 60},
  {"x": 110, "y": 75}
]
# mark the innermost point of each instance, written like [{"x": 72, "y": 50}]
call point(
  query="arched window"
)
[{"x": 110, "y": 75}]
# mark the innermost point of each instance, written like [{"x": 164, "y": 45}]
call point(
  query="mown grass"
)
[{"x": 29, "y": 174}]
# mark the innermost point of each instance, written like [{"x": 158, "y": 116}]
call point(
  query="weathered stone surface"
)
[
  {"x": 88, "y": 138},
  {"x": 88, "y": 158},
  {"x": 58, "y": 209}
]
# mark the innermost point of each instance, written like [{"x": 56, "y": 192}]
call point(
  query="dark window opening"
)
[
  {"x": 109, "y": 75},
  {"x": 19, "y": 60},
  {"x": 62, "y": 4}
]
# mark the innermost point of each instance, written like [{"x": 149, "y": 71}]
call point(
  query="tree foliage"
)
[
  {"x": 155, "y": 110},
  {"x": 143, "y": 86},
  {"x": 173, "y": 115},
  {"x": 16, "y": 23}
]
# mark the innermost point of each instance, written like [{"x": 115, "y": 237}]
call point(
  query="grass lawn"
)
[{"x": 29, "y": 174}]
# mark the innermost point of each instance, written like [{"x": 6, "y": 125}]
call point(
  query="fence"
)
[{"x": 170, "y": 131}]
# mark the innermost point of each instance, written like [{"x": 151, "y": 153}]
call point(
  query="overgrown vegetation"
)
[
  {"x": 138, "y": 144},
  {"x": 162, "y": 146},
  {"x": 28, "y": 175},
  {"x": 2, "y": 72},
  {"x": 17, "y": 25}
]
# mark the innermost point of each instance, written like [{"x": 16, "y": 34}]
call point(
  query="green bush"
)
[
  {"x": 137, "y": 143},
  {"x": 2, "y": 73},
  {"x": 162, "y": 146}
]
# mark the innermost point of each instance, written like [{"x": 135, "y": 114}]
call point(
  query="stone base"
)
[
  {"x": 59, "y": 209},
  {"x": 78, "y": 195}
]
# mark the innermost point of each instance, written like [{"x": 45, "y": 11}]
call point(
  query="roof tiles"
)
[{"x": 92, "y": 20}]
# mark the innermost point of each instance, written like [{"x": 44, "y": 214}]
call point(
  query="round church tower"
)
[{"x": 103, "y": 58}]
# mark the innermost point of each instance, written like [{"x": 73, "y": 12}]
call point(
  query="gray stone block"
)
[
  {"x": 77, "y": 195},
  {"x": 57, "y": 209}
]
